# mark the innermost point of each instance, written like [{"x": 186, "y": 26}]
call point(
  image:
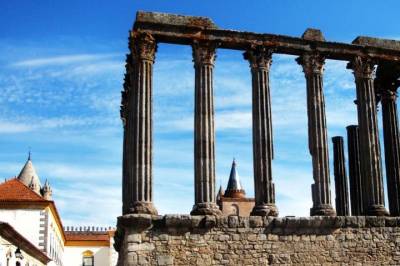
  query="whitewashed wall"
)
[{"x": 25, "y": 221}]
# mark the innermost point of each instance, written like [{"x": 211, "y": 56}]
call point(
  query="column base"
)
[
  {"x": 206, "y": 209},
  {"x": 143, "y": 207},
  {"x": 323, "y": 210},
  {"x": 265, "y": 210},
  {"x": 377, "y": 210}
]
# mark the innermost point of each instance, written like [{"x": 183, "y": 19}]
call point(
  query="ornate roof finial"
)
[{"x": 29, "y": 153}]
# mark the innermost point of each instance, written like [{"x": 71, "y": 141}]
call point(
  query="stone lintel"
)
[
  {"x": 377, "y": 42},
  {"x": 174, "y": 20},
  {"x": 178, "y": 29},
  {"x": 185, "y": 223}
]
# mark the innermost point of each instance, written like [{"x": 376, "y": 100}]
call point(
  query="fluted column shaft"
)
[
  {"x": 317, "y": 133},
  {"x": 356, "y": 187},
  {"x": 204, "y": 135},
  {"x": 392, "y": 148},
  {"x": 341, "y": 188},
  {"x": 368, "y": 136},
  {"x": 137, "y": 161},
  {"x": 260, "y": 62}
]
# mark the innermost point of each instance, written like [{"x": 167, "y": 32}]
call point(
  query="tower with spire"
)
[
  {"x": 30, "y": 178},
  {"x": 234, "y": 201}
]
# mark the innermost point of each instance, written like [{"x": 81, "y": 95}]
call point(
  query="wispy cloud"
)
[{"x": 62, "y": 60}]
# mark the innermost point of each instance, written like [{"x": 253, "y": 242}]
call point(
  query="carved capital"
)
[
  {"x": 143, "y": 46},
  {"x": 204, "y": 53},
  {"x": 259, "y": 57},
  {"x": 363, "y": 67},
  {"x": 312, "y": 63}
]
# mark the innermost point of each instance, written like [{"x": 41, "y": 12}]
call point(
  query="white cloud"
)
[{"x": 62, "y": 60}]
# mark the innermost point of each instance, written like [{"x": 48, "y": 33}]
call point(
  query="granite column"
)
[
  {"x": 263, "y": 153},
  {"x": 137, "y": 111},
  {"x": 313, "y": 64},
  {"x": 204, "y": 54},
  {"x": 388, "y": 96},
  {"x": 370, "y": 158}
]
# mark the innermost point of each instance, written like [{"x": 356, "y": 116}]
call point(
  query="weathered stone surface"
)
[
  {"x": 318, "y": 240},
  {"x": 370, "y": 157},
  {"x": 204, "y": 135},
  {"x": 377, "y": 42},
  {"x": 260, "y": 59},
  {"x": 313, "y": 66}
]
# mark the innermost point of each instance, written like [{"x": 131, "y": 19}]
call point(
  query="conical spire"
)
[
  {"x": 234, "y": 188},
  {"x": 29, "y": 177}
]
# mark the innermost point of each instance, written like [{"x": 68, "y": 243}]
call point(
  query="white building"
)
[{"x": 29, "y": 209}]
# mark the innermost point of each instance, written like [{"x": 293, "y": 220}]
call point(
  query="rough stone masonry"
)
[
  {"x": 255, "y": 240},
  {"x": 370, "y": 236}
]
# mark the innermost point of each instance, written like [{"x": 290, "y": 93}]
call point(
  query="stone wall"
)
[{"x": 208, "y": 240}]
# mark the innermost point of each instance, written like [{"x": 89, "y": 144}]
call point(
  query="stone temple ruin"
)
[{"x": 370, "y": 235}]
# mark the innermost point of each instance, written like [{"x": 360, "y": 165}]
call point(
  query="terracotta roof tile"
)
[
  {"x": 87, "y": 236},
  {"x": 15, "y": 190}
]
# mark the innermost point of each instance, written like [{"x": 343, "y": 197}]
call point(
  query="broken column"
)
[
  {"x": 137, "y": 119},
  {"x": 204, "y": 135},
  {"x": 341, "y": 189},
  {"x": 363, "y": 68},
  {"x": 260, "y": 62},
  {"x": 355, "y": 178},
  {"x": 313, "y": 65}
]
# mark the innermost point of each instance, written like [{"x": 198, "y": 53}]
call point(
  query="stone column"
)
[
  {"x": 260, "y": 62},
  {"x": 204, "y": 135},
  {"x": 341, "y": 188},
  {"x": 138, "y": 139},
  {"x": 392, "y": 146},
  {"x": 356, "y": 186},
  {"x": 313, "y": 64},
  {"x": 363, "y": 69}
]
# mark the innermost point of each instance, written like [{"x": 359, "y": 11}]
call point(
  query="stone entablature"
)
[{"x": 256, "y": 240}]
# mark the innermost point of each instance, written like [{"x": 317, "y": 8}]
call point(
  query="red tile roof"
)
[
  {"x": 14, "y": 193},
  {"x": 87, "y": 236},
  {"x": 15, "y": 190}
]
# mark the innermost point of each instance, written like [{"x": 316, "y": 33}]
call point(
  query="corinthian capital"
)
[
  {"x": 143, "y": 46},
  {"x": 312, "y": 63},
  {"x": 204, "y": 53},
  {"x": 259, "y": 57},
  {"x": 363, "y": 67}
]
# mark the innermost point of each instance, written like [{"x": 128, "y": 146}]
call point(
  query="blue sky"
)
[{"x": 61, "y": 72}]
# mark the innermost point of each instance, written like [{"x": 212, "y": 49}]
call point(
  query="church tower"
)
[{"x": 234, "y": 201}]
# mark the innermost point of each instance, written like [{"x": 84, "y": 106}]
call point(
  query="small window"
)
[{"x": 88, "y": 259}]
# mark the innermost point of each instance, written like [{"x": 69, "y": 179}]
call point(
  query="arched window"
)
[
  {"x": 234, "y": 209},
  {"x": 88, "y": 259}
]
